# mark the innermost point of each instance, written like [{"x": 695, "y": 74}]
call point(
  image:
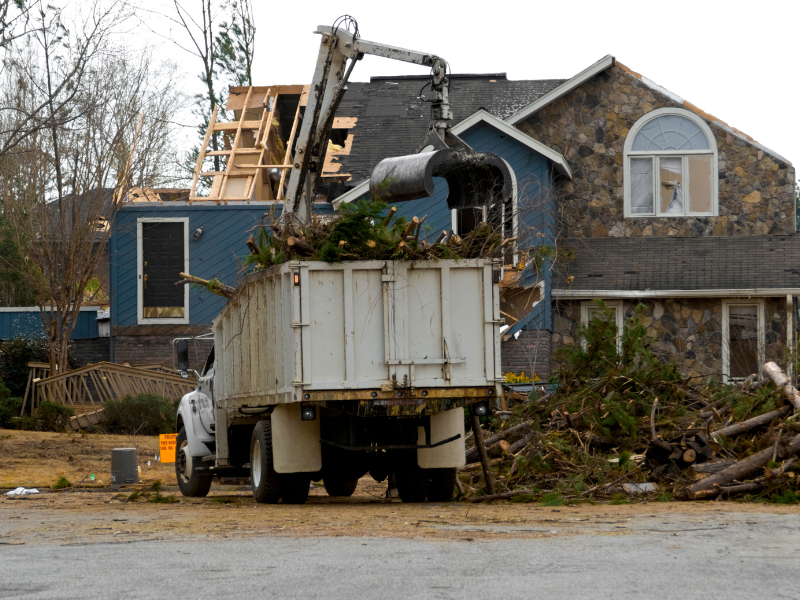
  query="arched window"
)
[{"x": 670, "y": 166}]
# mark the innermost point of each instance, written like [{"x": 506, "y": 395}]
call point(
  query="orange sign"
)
[{"x": 167, "y": 447}]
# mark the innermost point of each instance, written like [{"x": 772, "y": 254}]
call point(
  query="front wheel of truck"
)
[
  {"x": 191, "y": 483},
  {"x": 263, "y": 478}
]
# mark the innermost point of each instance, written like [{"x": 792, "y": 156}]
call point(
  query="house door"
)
[{"x": 163, "y": 248}]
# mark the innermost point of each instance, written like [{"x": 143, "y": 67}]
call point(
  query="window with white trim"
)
[
  {"x": 743, "y": 338},
  {"x": 670, "y": 166},
  {"x": 590, "y": 310}
]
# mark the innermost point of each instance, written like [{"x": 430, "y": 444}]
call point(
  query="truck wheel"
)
[
  {"x": 191, "y": 483},
  {"x": 295, "y": 487},
  {"x": 263, "y": 478},
  {"x": 336, "y": 486},
  {"x": 443, "y": 482},
  {"x": 412, "y": 483}
]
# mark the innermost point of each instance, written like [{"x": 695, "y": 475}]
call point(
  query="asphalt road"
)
[{"x": 726, "y": 556}]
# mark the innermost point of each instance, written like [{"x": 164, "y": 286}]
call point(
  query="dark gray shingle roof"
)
[
  {"x": 709, "y": 263},
  {"x": 392, "y": 119}
]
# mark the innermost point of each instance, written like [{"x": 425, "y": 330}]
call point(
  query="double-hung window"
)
[{"x": 670, "y": 166}]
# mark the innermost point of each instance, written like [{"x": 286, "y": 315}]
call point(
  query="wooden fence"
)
[{"x": 86, "y": 389}]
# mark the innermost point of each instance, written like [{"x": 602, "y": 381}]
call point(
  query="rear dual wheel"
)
[
  {"x": 268, "y": 485},
  {"x": 414, "y": 484}
]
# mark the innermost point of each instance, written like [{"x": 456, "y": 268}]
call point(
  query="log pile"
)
[
  {"x": 633, "y": 420},
  {"x": 367, "y": 231}
]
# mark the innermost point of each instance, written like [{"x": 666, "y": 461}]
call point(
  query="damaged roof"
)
[
  {"x": 391, "y": 106},
  {"x": 612, "y": 267}
]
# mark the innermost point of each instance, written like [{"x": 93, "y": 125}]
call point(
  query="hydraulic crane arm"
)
[{"x": 327, "y": 88}]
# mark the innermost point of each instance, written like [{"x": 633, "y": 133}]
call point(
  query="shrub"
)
[
  {"x": 18, "y": 353},
  {"x": 10, "y": 407},
  {"x": 54, "y": 416},
  {"x": 145, "y": 414}
]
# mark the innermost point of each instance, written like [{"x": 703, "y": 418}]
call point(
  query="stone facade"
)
[
  {"x": 529, "y": 353},
  {"x": 589, "y": 126},
  {"x": 686, "y": 330}
]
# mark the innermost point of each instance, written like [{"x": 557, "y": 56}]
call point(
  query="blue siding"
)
[
  {"x": 217, "y": 254},
  {"x": 28, "y": 324}
]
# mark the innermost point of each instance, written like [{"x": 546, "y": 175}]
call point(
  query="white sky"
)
[{"x": 735, "y": 60}]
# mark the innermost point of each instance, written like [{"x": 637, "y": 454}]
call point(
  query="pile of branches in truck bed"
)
[
  {"x": 366, "y": 230},
  {"x": 622, "y": 423}
]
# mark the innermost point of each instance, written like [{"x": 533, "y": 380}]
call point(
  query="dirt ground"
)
[
  {"x": 37, "y": 459},
  {"x": 91, "y": 514}
]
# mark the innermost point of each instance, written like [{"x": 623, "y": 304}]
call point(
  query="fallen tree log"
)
[
  {"x": 710, "y": 486},
  {"x": 212, "y": 285},
  {"x": 472, "y": 453},
  {"x": 478, "y": 466},
  {"x": 744, "y": 426},
  {"x": 783, "y": 382},
  {"x": 708, "y": 468}
]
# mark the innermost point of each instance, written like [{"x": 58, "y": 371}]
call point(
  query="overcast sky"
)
[{"x": 736, "y": 60}]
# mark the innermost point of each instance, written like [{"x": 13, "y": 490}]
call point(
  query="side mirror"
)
[{"x": 182, "y": 354}]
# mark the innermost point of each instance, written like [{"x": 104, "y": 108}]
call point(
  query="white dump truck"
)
[
  {"x": 332, "y": 370},
  {"x": 329, "y": 371}
]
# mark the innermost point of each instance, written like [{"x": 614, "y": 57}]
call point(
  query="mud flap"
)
[
  {"x": 473, "y": 178},
  {"x": 295, "y": 443},
  {"x": 444, "y": 425}
]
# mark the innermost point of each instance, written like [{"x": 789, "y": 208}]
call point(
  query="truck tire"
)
[
  {"x": 263, "y": 478},
  {"x": 192, "y": 484},
  {"x": 442, "y": 484},
  {"x": 294, "y": 487},
  {"x": 335, "y": 486},
  {"x": 412, "y": 483}
]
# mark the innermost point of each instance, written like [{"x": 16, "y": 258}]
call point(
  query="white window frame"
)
[
  {"x": 617, "y": 305},
  {"x": 726, "y": 341},
  {"x": 139, "y": 272},
  {"x": 514, "y": 218},
  {"x": 628, "y": 154}
]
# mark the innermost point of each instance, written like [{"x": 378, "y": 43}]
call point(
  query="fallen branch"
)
[
  {"x": 212, "y": 285},
  {"x": 487, "y": 474},
  {"x": 744, "y": 426},
  {"x": 472, "y": 453}
]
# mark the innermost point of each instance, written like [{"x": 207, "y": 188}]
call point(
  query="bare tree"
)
[{"x": 81, "y": 103}]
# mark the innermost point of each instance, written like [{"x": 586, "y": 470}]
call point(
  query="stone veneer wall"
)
[
  {"x": 530, "y": 352},
  {"x": 687, "y": 330},
  {"x": 589, "y": 126}
]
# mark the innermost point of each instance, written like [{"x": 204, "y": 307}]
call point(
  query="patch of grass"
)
[
  {"x": 785, "y": 497},
  {"x": 552, "y": 499},
  {"x": 620, "y": 499},
  {"x": 158, "y": 498},
  {"x": 134, "y": 496},
  {"x": 158, "y": 486},
  {"x": 62, "y": 483},
  {"x": 218, "y": 500},
  {"x": 666, "y": 497}
]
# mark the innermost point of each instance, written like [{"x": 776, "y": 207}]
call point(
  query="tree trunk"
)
[
  {"x": 781, "y": 381},
  {"x": 744, "y": 426},
  {"x": 710, "y": 486},
  {"x": 487, "y": 474}
]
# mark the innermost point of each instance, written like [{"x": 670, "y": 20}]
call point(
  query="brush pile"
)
[
  {"x": 622, "y": 423},
  {"x": 366, "y": 230}
]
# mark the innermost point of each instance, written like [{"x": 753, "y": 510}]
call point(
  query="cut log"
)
[
  {"x": 472, "y": 453},
  {"x": 744, "y": 426},
  {"x": 740, "y": 470},
  {"x": 733, "y": 490},
  {"x": 784, "y": 383},
  {"x": 487, "y": 474},
  {"x": 251, "y": 245},
  {"x": 478, "y": 466},
  {"x": 441, "y": 237},
  {"x": 689, "y": 456},
  {"x": 299, "y": 245},
  {"x": 708, "y": 468},
  {"x": 520, "y": 444}
]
